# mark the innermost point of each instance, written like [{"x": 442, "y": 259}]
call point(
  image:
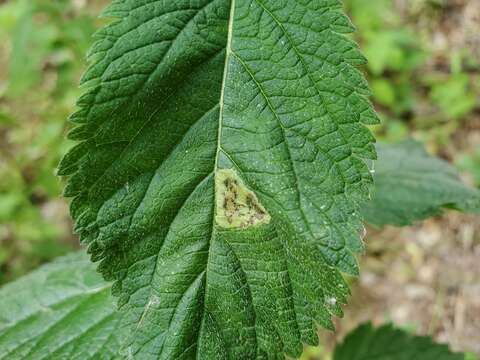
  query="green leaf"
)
[
  {"x": 220, "y": 170},
  {"x": 386, "y": 342},
  {"x": 411, "y": 185},
  {"x": 61, "y": 311}
]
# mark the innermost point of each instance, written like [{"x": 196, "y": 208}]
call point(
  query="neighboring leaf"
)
[
  {"x": 220, "y": 171},
  {"x": 61, "y": 311},
  {"x": 388, "y": 343},
  {"x": 411, "y": 185}
]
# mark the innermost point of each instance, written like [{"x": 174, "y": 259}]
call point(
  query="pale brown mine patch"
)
[{"x": 236, "y": 205}]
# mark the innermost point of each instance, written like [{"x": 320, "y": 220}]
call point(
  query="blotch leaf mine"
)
[{"x": 236, "y": 205}]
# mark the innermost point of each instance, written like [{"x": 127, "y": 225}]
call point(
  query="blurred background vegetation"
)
[
  {"x": 42, "y": 55},
  {"x": 424, "y": 71}
]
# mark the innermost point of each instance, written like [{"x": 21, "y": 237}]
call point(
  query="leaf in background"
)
[
  {"x": 411, "y": 185},
  {"x": 63, "y": 310},
  {"x": 219, "y": 172},
  {"x": 386, "y": 342},
  {"x": 470, "y": 163}
]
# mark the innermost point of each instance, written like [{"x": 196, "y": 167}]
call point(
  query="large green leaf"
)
[
  {"x": 411, "y": 185},
  {"x": 61, "y": 311},
  {"x": 220, "y": 170},
  {"x": 388, "y": 343}
]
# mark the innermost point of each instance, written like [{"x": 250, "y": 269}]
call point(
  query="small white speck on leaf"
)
[{"x": 331, "y": 301}]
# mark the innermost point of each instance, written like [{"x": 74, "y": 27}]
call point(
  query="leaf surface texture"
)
[
  {"x": 63, "y": 310},
  {"x": 219, "y": 171},
  {"x": 389, "y": 343}
]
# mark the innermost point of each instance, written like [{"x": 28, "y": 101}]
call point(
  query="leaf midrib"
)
[{"x": 228, "y": 52}]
